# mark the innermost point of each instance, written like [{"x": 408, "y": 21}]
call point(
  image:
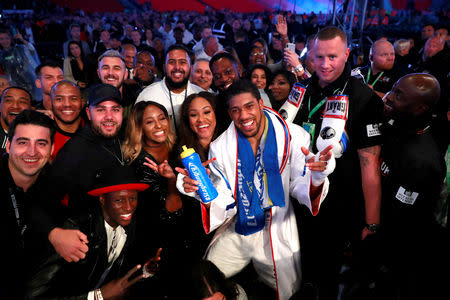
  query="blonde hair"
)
[
  {"x": 134, "y": 133},
  {"x": 400, "y": 45}
]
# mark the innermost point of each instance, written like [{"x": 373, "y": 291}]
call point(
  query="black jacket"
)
[
  {"x": 72, "y": 175},
  {"x": 21, "y": 248},
  {"x": 58, "y": 279}
]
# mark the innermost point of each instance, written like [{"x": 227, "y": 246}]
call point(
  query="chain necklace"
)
[{"x": 120, "y": 160}]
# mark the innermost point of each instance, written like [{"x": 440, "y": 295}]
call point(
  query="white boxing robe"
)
[{"x": 275, "y": 250}]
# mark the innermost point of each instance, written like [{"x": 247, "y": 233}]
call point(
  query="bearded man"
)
[{"x": 175, "y": 86}]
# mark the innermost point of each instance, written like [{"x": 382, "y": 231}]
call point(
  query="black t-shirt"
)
[
  {"x": 385, "y": 81},
  {"x": 412, "y": 174},
  {"x": 413, "y": 244},
  {"x": 344, "y": 205}
]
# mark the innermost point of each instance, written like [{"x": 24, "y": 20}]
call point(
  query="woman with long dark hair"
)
[
  {"x": 280, "y": 87},
  {"x": 77, "y": 66},
  {"x": 198, "y": 127}
]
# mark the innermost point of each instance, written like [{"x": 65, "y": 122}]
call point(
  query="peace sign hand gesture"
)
[{"x": 118, "y": 287}]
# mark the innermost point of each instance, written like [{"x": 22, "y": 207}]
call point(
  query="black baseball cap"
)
[{"x": 102, "y": 92}]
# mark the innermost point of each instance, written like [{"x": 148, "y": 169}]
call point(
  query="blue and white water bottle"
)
[{"x": 197, "y": 171}]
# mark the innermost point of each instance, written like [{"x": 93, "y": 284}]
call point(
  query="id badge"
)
[{"x": 310, "y": 128}]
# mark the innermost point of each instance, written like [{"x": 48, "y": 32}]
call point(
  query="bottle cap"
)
[{"x": 186, "y": 152}]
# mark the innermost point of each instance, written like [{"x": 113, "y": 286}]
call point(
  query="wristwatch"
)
[
  {"x": 373, "y": 227},
  {"x": 299, "y": 68}
]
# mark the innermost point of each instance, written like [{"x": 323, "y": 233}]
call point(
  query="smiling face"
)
[
  {"x": 330, "y": 57},
  {"x": 111, "y": 70},
  {"x": 49, "y": 76},
  {"x": 225, "y": 72},
  {"x": 106, "y": 118},
  {"x": 259, "y": 79},
  {"x": 201, "y": 75},
  {"x": 177, "y": 68},
  {"x": 202, "y": 119},
  {"x": 257, "y": 56},
  {"x": 280, "y": 88},
  {"x": 118, "y": 207},
  {"x": 29, "y": 150},
  {"x": 129, "y": 53},
  {"x": 13, "y": 102},
  {"x": 402, "y": 101},
  {"x": 66, "y": 103},
  {"x": 247, "y": 114},
  {"x": 155, "y": 126}
]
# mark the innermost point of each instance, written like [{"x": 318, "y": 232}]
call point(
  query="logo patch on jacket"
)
[
  {"x": 405, "y": 196},
  {"x": 373, "y": 130}
]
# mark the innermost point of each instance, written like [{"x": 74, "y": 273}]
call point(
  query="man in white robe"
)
[{"x": 273, "y": 245}]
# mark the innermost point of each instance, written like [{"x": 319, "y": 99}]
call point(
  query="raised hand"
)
[
  {"x": 152, "y": 265},
  {"x": 321, "y": 164},
  {"x": 163, "y": 169},
  {"x": 118, "y": 287},
  {"x": 290, "y": 57},
  {"x": 281, "y": 26},
  {"x": 190, "y": 185}
]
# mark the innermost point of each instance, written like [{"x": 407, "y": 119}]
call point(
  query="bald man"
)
[
  {"x": 380, "y": 74},
  {"x": 412, "y": 172},
  {"x": 129, "y": 55},
  {"x": 67, "y": 104}
]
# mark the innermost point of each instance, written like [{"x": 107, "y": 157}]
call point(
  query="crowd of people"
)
[{"x": 330, "y": 160}]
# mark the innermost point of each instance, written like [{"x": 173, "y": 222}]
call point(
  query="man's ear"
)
[
  {"x": 88, "y": 113},
  {"x": 347, "y": 53},
  {"x": 7, "y": 146},
  {"x": 102, "y": 200},
  {"x": 38, "y": 84}
]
